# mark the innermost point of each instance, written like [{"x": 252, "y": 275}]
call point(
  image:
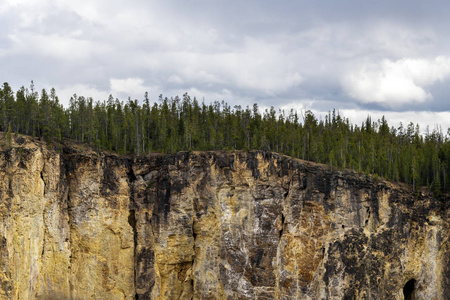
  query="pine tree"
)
[{"x": 170, "y": 125}]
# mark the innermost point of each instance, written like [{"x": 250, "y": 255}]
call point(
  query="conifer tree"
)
[{"x": 170, "y": 125}]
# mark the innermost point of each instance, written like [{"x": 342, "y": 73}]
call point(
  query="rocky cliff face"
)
[{"x": 211, "y": 225}]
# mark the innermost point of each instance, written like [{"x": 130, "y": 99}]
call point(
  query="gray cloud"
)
[{"x": 379, "y": 56}]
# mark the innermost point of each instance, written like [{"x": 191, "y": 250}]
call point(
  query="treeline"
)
[{"x": 399, "y": 154}]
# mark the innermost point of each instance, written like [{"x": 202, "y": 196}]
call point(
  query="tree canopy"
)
[{"x": 400, "y": 154}]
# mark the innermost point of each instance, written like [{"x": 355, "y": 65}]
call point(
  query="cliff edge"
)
[{"x": 211, "y": 225}]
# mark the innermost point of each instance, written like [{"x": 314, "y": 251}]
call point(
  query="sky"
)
[{"x": 359, "y": 57}]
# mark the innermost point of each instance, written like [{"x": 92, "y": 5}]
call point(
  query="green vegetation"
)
[{"x": 170, "y": 125}]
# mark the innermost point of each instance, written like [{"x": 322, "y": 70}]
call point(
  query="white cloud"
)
[
  {"x": 299, "y": 106},
  {"x": 426, "y": 72},
  {"x": 129, "y": 87},
  {"x": 89, "y": 10},
  {"x": 264, "y": 66},
  {"x": 397, "y": 40},
  {"x": 57, "y": 47},
  {"x": 66, "y": 92},
  {"x": 211, "y": 96},
  {"x": 175, "y": 79},
  {"x": 273, "y": 55},
  {"x": 126, "y": 85},
  {"x": 423, "y": 118},
  {"x": 119, "y": 88},
  {"x": 256, "y": 66},
  {"x": 394, "y": 84}
]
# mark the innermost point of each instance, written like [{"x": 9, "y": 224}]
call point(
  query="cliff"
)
[{"x": 211, "y": 225}]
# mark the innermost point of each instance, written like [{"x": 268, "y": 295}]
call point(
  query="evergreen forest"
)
[{"x": 169, "y": 125}]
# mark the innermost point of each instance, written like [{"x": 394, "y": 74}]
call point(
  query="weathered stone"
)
[{"x": 211, "y": 225}]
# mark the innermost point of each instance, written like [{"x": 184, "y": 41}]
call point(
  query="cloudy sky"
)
[{"x": 360, "y": 57}]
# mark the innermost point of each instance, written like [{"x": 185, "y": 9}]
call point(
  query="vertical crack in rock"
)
[
  {"x": 286, "y": 195},
  {"x": 131, "y": 176},
  {"x": 194, "y": 235},
  {"x": 43, "y": 181},
  {"x": 281, "y": 228},
  {"x": 45, "y": 235},
  {"x": 252, "y": 164},
  {"x": 368, "y": 216},
  {"x": 41, "y": 173},
  {"x": 164, "y": 189},
  {"x": 132, "y": 221},
  {"x": 44, "y": 158}
]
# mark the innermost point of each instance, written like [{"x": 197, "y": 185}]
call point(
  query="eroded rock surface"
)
[{"x": 211, "y": 225}]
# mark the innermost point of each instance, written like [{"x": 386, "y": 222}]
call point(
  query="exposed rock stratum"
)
[{"x": 211, "y": 225}]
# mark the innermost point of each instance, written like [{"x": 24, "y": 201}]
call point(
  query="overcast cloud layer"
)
[{"x": 387, "y": 58}]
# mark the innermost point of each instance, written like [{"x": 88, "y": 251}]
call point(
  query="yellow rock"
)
[{"x": 211, "y": 225}]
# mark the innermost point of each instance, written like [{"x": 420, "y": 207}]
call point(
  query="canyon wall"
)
[{"x": 211, "y": 225}]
